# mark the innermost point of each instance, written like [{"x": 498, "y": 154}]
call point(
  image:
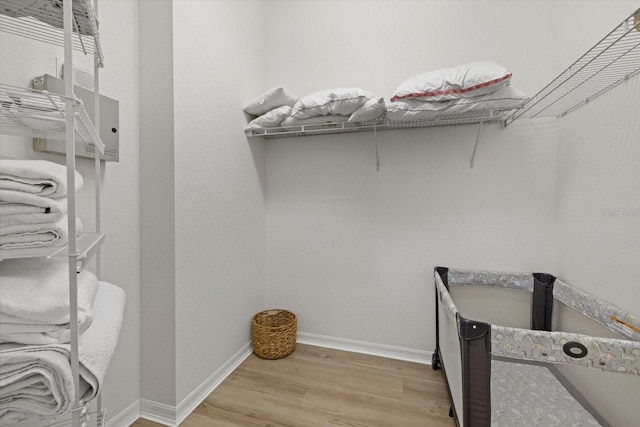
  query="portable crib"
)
[{"x": 527, "y": 349}]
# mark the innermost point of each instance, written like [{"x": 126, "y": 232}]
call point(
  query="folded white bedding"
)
[
  {"x": 38, "y": 177},
  {"x": 338, "y": 101},
  {"x": 269, "y": 119},
  {"x": 34, "y": 300},
  {"x": 37, "y": 380},
  {"x": 37, "y": 235},
  {"x": 370, "y": 110},
  {"x": 507, "y": 98}
]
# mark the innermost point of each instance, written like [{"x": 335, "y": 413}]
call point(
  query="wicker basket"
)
[{"x": 273, "y": 333}]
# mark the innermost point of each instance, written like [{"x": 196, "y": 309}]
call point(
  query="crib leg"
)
[
  {"x": 450, "y": 411},
  {"x": 435, "y": 361}
]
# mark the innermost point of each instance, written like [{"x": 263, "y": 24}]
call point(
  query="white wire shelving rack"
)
[
  {"x": 87, "y": 245},
  {"x": 25, "y": 112},
  {"x": 43, "y": 21},
  {"x": 382, "y": 124},
  {"x": 41, "y": 114},
  {"x": 610, "y": 62}
]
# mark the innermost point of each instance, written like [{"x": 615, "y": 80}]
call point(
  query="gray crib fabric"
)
[
  {"x": 526, "y": 395},
  {"x": 496, "y": 279}
]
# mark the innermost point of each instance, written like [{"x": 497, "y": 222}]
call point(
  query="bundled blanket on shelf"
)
[
  {"x": 33, "y": 203},
  {"x": 37, "y": 380},
  {"x": 34, "y": 300}
]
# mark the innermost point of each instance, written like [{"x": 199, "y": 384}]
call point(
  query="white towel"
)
[
  {"x": 38, "y": 177},
  {"x": 36, "y": 291},
  {"x": 32, "y": 218},
  {"x": 16, "y": 330},
  {"x": 37, "y": 380},
  {"x": 18, "y": 208},
  {"x": 37, "y": 235},
  {"x": 17, "y": 202}
]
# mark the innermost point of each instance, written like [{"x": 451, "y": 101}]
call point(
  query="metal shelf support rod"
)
[
  {"x": 71, "y": 167},
  {"x": 475, "y": 146}
]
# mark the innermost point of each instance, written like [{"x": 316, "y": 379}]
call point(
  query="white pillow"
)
[
  {"x": 340, "y": 101},
  {"x": 370, "y": 110},
  {"x": 269, "y": 100},
  {"x": 507, "y": 98},
  {"x": 462, "y": 81},
  {"x": 270, "y": 118}
]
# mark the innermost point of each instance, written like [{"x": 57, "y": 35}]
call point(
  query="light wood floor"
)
[{"x": 317, "y": 386}]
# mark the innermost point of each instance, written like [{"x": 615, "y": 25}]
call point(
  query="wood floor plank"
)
[{"x": 317, "y": 386}]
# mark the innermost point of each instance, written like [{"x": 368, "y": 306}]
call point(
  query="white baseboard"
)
[
  {"x": 126, "y": 417},
  {"x": 172, "y": 416},
  {"x": 196, "y": 397},
  {"x": 382, "y": 350},
  {"x": 160, "y": 413}
]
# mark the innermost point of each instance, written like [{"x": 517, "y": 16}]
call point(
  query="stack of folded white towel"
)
[
  {"x": 34, "y": 303},
  {"x": 36, "y": 377},
  {"x": 33, "y": 203},
  {"x": 35, "y": 372}
]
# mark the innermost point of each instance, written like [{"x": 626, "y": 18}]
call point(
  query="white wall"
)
[
  {"x": 315, "y": 45},
  {"x": 23, "y": 59},
  {"x": 219, "y": 201},
  {"x": 121, "y": 206},
  {"x": 157, "y": 204},
  {"x": 203, "y": 259},
  {"x": 352, "y": 250},
  {"x": 598, "y": 185}
]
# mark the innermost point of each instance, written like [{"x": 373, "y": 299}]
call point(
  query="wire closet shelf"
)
[
  {"x": 71, "y": 24},
  {"x": 43, "y": 21},
  {"x": 41, "y": 114},
  {"x": 613, "y": 60},
  {"x": 382, "y": 124}
]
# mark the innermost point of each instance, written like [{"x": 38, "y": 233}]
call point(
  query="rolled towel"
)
[
  {"x": 38, "y": 177},
  {"x": 37, "y": 380},
  {"x": 37, "y": 235},
  {"x": 36, "y": 291}
]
